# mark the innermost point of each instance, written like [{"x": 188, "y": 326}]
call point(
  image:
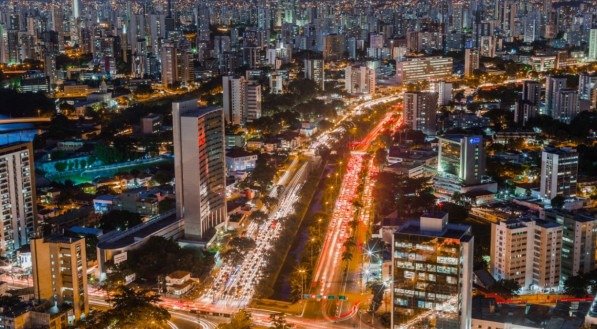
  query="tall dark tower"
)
[{"x": 169, "y": 21}]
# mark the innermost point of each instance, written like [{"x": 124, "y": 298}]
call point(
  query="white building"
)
[
  {"x": 17, "y": 187},
  {"x": 592, "y": 45},
  {"x": 240, "y": 160},
  {"x": 527, "y": 250},
  {"x": 559, "y": 173},
  {"x": 423, "y": 69},
  {"x": 234, "y": 99},
  {"x": 444, "y": 91},
  {"x": 252, "y": 102},
  {"x": 315, "y": 70},
  {"x": 359, "y": 79},
  {"x": 199, "y": 167}
]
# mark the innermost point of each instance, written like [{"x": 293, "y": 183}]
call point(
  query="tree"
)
[
  {"x": 380, "y": 156},
  {"x": 506, "y": 288},
  {"x": 131, "y": 308},
  {"x": 558, "y": 202},
  {"x": 240, "y": 320},
  {"x": 119, "y": 220},
  {"x": 576, "y": 286},
  {"x": 60, "y": 166},
  {"x": 278, "y": 321}
]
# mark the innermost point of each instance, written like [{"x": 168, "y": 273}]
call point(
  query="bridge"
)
[{"x": 25, "y": 120}]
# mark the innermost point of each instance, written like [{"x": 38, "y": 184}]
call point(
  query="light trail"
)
[{"x": 234, "y": 285}]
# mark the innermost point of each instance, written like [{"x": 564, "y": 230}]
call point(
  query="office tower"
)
[
  {"x": 359, "y": 79},
  {"x": 527, "y": 105},
  {"x": 420, "y": 111},
  {"x": 444, "y": 91},
  {"x": 527, "y": 250},
  {"x": 471, "y": 61},
  {"x": 553, "y": 85},
  {"x": 579, "y": 242},
  {"x": 234, "y": 99},
  {"x": 315, "y": 70},
  {"x": 462, "y": 156},
  {"x": 432, "y": 264},
  {"x": 252, "y": 104},
  {"x": 592, "y": 45},
  {"x": 17, "y": 187},
  {"x": 559, "y": 172},
  {"x": 169, "y": 60},
  {"x": 421, "y": 69},
  {"x": 199, "y": 168},
  {"x": 587, "y": 91},
  {"x": 60, "y": 272},
  {"x": 508, "y": 14},
  {"x": 566, "y": 105}
]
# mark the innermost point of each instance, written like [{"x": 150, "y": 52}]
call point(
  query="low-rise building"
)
[
  {"x": 179, "y": 283},
  {"x": 238, "y": 159}
]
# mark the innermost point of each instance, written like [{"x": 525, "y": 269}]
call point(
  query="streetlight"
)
[{"x": 302, "y": 273}]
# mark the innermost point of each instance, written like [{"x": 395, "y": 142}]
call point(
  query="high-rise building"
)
[
  {"x": 593, "y": 45},
  {"x": 471, "y": 61},
  {"x": 559, "y": 172},
  {"x": 463, "y": 157},
  {"x": 444, "y": 91},
  {"x": 553, "y": 85},
  {"x": 432, "y": 262},
  {"x": 333, "y": 46},
  {"x": 566, "y": 105},
  {"x": 420, "y": 111},
  {"x": 199, "y": 167},
  {"x": 315, "y": 70},
  {"x": 526, "y": 250},
  {"x": 60, "y": 272},
  {"x": 234, "y": 99},
  {"x": 587, "y": 91},
  {"x": 527, "y": 105},
  {"x": 487, "y": 46},
  {"x": 359, "y": 79},
  {"x": 169, "y": 61},
  {"x": 579, "y": 242},
  {"x": 421, "y": 69},
  {"x": 17, "y": 187},
  {"x": 252, "y": 103}
]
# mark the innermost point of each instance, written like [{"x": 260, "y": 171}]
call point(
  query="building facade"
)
[
  {"x": 60, "y": 272},
  {"x": 199, "y": 167},
  {"x": 432, "y": 270},
  {"x": 559, "y": 173},
  {"x": 17, "y": 186},
  {"x": 422, "y": 69},
  {"x": 420, "y": 111}
]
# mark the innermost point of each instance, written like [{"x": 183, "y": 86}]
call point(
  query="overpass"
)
[{"x": 25, "y": 120}]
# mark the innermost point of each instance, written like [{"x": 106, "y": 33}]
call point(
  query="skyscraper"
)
[
  {"x": 199, "y": 167},
  {"x": 593, "y": 45},
  {"x": 566, "y": 105},
  {"x": 314, "y": 70},
  {"x": 17, "y": 187},
  {"x": 471, "y": 61},
  {"x": 252, "y": 102},
  {"x": 420, "y": 111},
  {"x": 527, "y": 105},
  {"x": 359, "y": 79},
  {"x": 60, "y": 272},
  {"x": 528, "y": 251},
  {"x": 559, "y": 172},
  {"x": 234, "y": 99},
  {"x": 579, "y": 243},
  {"x": 553, "y": 85},
  {"x": 432, "y": 264}
]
